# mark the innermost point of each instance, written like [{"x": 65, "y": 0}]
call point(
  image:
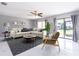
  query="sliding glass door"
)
[
  {"x": 60, "y": 27},
  {"x": 69, "y": 28},
  {"x": 64, "y": 26}
]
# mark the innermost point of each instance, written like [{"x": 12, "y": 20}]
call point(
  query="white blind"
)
[{"x": 41, "y": 24}]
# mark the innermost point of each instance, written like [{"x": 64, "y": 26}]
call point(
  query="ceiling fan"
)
[
  {"x": 35, "y": 13},
  {"x": 4, "y": 3}
]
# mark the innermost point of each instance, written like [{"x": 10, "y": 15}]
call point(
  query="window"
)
[
  {"x": 65, "y": 27},
  {"x": 41, "y": 24}
]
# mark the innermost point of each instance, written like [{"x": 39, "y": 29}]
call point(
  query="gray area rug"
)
[{"x": 20, "y": 45}]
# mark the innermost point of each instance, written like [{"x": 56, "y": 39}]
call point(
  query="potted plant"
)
[{"x": 47, "y": 27}]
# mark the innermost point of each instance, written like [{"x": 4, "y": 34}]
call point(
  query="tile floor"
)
[{"x": 68, "y": 48}]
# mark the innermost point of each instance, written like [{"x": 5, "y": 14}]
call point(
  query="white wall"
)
[{"x": 11, "y": 20}]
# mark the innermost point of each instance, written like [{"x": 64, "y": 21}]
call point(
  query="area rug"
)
[{"x": 20, "y": 45}]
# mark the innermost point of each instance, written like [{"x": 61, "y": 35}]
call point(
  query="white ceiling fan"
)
[{"x": 35, "y": 13}]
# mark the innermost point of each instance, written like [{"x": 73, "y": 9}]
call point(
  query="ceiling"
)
[{"x": 23, "y": 9}]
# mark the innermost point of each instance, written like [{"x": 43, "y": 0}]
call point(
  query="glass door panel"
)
[
  {"x": 69, "y": 28},
  {"x": 60, "y": 27}
]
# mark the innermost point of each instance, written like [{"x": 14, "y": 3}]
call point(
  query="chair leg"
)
[
  {"x": 59, "y": 48},
  {"x": 43, "y": 45}
]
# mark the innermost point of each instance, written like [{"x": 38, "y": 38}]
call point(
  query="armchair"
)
[{"x": 53, "y": 40}]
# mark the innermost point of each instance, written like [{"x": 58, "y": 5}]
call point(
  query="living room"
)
[{"x": 23, "y": 28}]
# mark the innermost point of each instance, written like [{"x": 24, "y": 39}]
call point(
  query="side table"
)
[{"x": 6, "y": 34}]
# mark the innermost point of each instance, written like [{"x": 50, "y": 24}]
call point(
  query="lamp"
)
[{"x": 6, "y": 25}]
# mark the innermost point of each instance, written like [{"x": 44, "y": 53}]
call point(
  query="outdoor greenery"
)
[{"x": 68, "y": 32}]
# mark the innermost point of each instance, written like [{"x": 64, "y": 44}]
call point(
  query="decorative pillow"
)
[{"x": 25, "y": 30}]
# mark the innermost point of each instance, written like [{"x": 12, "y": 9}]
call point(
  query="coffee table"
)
[{"x": 29, "y": 37}]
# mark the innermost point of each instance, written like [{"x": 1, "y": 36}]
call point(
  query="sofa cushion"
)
[{"x": 26, "y": 29}]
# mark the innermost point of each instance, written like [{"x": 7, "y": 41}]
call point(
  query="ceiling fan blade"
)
[
  {"x": 4, "y": 3},
  {"x": 40, "y": 14},
  {"x": 36, "y": 14},
  {"x": 33, "y": 13}
]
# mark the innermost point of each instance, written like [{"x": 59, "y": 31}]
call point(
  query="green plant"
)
[{"x": 47, "y": 27}]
